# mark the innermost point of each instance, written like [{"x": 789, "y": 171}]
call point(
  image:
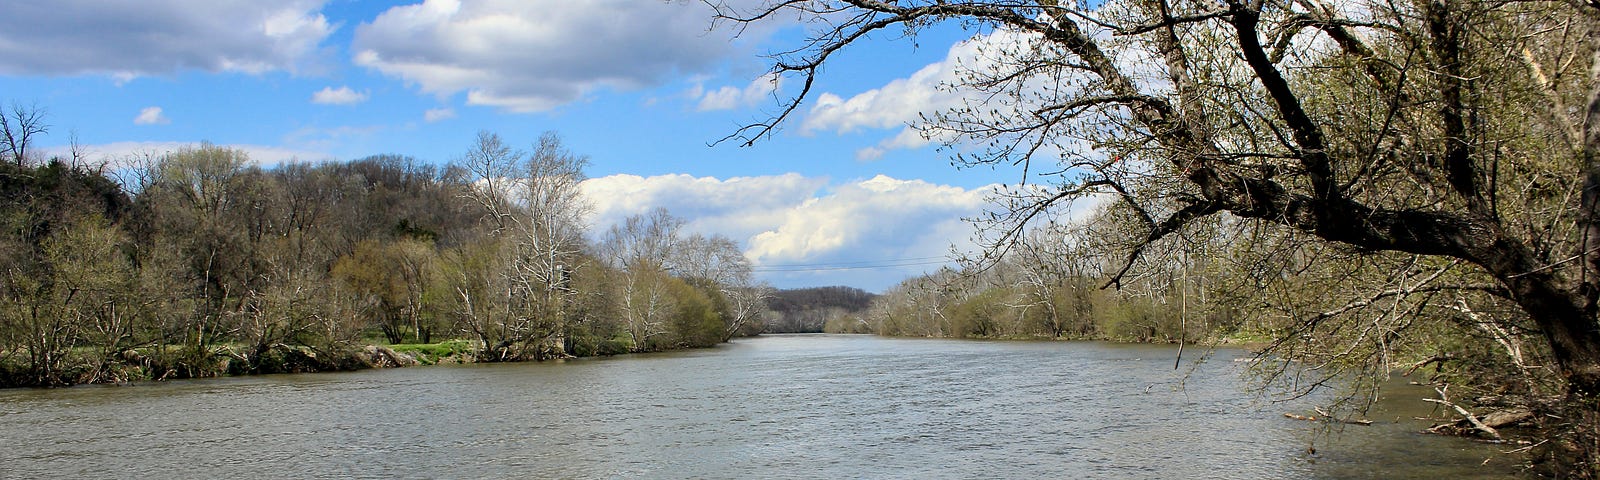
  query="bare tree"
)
[
  {"x": 718, "y": 260},
  {"x": 534, "y": 203},
  {"x": 1466, "y": 131},
  {"x": 18, "y": 125},
  {"x": 640, "y": 249}
]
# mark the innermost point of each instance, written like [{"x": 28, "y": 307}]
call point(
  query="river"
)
[{"x": 787, "y": 406}]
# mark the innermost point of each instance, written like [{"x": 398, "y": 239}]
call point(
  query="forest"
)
[
  {"x": 1368, "y": 188},
  {"x": 809, "y": 310},
  {"x": 199, "y": 262}
]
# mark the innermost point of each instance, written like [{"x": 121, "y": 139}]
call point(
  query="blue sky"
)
[{"x": 640, "y": 86}]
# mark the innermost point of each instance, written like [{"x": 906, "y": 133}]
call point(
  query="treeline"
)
[
  {"x": 199, "y": 263},
  {"x": 1050, "y": 286},
  {"x": 809, "y": 310},
  {"x": 1009, "y": 301},
  {"x": 1338, "y": 316}
]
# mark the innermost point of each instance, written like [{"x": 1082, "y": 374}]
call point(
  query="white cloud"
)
[
  {"x": 905, "y": 101},
  {"x": 126, "y": 40},
  {"x": 949, "y": 85},
  {"x": 151, "y": 116},
  {"x": 438, "y": 114},
  {"x": 535, "y": 56},
  {"x": 862, "y": 214},
  {"x": 908, "y": 138},
  {"x": 342, "y": 96},
  {"x": 729, "y": 98},
  {"x": 791, "y": 219},
  {"x": 892, "y": 105},
  {"x": 119, "y": 154},
  {"x": 738, "y": 207}
]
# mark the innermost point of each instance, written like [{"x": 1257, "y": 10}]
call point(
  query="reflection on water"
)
[{"x": 811, "y": 406}]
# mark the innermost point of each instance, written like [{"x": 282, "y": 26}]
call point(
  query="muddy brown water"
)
[{"x": 787, "y": 406}]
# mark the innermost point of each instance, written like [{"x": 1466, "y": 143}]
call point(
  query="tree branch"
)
[{"x": 1166, "y": 227}]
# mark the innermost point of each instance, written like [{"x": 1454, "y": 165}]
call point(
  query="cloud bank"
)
[
  {"x": 790, "y": 219},
  {"x": 728, "y": 98},
  {"x": 119, "y": 154},
  {"x": 158, "y": 37},
  {"x": 524, "y": 56}
]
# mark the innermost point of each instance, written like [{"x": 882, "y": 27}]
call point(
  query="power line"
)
[
  {"x": 857, "y": 262},
  {"x": 861, "y": 265}
]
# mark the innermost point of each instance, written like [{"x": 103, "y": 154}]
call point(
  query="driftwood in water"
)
[
  {"x": 1487, "y": 425},
  {"x": 1326, "y": 417}
]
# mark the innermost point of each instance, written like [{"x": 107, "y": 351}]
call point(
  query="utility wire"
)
[
  {"x": 857, "y": 262},
  {"x": 862, "y": 265}
]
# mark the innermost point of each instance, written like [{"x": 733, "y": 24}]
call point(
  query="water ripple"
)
[{"x": 774, "y": 407}]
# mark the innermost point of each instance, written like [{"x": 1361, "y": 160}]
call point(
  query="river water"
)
[{"x": 804, "y": 406}]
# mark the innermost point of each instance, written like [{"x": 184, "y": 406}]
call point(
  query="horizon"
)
[{"x": 845, "y": 194}]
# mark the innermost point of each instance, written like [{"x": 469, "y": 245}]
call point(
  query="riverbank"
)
[
  {"x": 160, "y": 363},
  {"x": 173, "y": 363}
]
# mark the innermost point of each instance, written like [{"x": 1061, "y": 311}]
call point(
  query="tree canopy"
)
[{"x": 1462, "y": 133}]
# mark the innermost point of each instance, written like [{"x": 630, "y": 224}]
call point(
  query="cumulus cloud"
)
[
  {"x": 860, "y": 214},
  {"x": 341, "y": 96},
  {"x": 151, "y": 116},
  {"x": 155, "y": 37},
  {"x": 534, "y": 56},
  {"x": 904, "y": 101},
  {"x": 739, "y": 207},
  {"x": 792, "y": 219},
  {"x": 892, "y": 105},
  {"x": 438, "y": 114},
  {"x": 729, "y": 98},
  {"x": 945, "y": 85}
]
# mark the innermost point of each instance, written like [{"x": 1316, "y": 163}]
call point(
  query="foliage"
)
[
  {"x": 810, "y": 309},
  {"x": 200, "y": 263},
  {"x": 1393, "y": 178}
]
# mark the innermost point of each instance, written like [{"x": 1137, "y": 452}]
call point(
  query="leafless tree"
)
[
  {"x": 640, "y": 248},
  {"x": 534, "y": 203},
  {"x": 1382, "y": 126},
  {"x": 18, "y": 125}
]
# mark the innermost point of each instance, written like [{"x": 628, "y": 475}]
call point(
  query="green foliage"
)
[
  {"x": 697, "y": 320},
  {"x": 983, "y": 314},
  {"x": 1071, "y": 308},
  {"x": 215, "y": 266}
]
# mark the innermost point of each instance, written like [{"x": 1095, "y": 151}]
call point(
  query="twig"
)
[
  {"x": 1330, "y": 417},
  {"x": 1440, "y": 358},
  {"x": 1478, "y": 424},
  {"x": 1327, "y": 418}
]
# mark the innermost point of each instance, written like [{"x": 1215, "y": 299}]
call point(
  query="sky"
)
[{"x": 842, "y": 194}]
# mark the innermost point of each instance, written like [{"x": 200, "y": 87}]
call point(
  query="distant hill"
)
[{"x": 805, "y": 310}]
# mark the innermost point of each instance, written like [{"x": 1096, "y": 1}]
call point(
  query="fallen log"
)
[
  {"x": 1470, "y": 418},
  {"x": 1326, "y": 417}
]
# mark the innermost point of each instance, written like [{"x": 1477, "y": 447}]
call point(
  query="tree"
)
[
  {"x": 199, "y": 203},
  {"x": 639, "y": 249},
  {"x": 534, "y": 204},
  {"x": 810, "y": 309},
  {"x": 718, "y": 261},
  {"x": 1461, "y": 131},
  {"x": 17, "y": 128}
]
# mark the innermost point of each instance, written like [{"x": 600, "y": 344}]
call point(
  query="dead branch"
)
[{"x": 1476, "y": 423}]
